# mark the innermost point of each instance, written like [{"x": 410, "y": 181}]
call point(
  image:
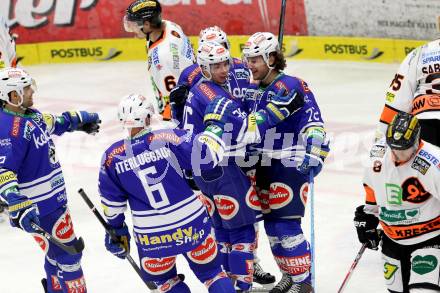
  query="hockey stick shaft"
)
[
  {"x": 353, "y": 266},
  {"x": 112, "y": 234},
  {"x": 73, "y": 249},
  {"x": 312, "y": 225},
  {"x": 76, "y": 248},
  {"x": 281, "y": 27}
]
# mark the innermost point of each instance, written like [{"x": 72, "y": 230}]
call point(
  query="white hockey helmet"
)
[
  {"x": 211, "y": 53},
  {"x": 14, "y": 79},
  {"x": 214, "y": 34},
  {"x": 261, "y": 44},
  {"x": 133, "y": 110}
]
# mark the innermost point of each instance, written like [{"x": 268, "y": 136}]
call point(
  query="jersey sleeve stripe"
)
[
  {"x": 370, "y": 197},
  {"x": 388, "y": 114}
]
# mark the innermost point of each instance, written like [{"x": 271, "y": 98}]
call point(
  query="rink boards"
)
[{"x": 296, "y": 47}]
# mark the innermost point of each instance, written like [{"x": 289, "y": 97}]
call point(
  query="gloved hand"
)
[
  {"x": 317, "y": 149},
  {"x": 121, "y": 247},
  {"x": 282, "y": 106},
  {"x": 218, "y": 111},
  {"x": 83, "y": 121},
  {"x": 178, "y": 97},
  {"x": 366, "y": 228},
  {"x": 22, "y": 211}
]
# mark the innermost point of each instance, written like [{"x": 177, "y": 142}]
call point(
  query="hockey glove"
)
[
  {"x": 317, "y": 149},
  {"x": 22, "y": 211},
  {"x": 366, "y": 228},
  {"x": 178, "y": 97},
  {"x": 281, "y": 106},
  {"x": 83, "y": 121},
  {"x": 218, "y": 111},
  {"x": 121, "y": 246}
]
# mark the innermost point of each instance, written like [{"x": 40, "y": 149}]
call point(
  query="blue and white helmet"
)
[
  {"x": 14, "y": 79},
  {"x": 211, "y": 53},
  {"x": 133, "y": 110},
  {"x": 214, "y": 34},
  {"x": 261, "y": 44}
]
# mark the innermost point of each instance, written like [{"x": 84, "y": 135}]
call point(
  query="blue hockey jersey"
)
[
  {"x": 28, "y": 158},
  {"x": 285, "y": 139},
  {"x": 146, "y": 171}
]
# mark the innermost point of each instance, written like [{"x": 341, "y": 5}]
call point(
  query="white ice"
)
[{"x": 351, "y": 96}]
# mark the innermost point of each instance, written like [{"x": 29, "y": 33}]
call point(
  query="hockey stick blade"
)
[{"x": 76, "y": 248}]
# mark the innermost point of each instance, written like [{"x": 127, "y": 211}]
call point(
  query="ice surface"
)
[{"x": 351, "y": 96}]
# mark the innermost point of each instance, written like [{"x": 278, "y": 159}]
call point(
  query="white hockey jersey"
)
[
  {"x": 405, "y": 198},
  {"x": 419, "y": 74},
  {"x": 7, "y": 46},
  {"x": 167, "y": 58}
]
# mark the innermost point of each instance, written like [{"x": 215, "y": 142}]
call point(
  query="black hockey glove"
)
[
  {"x": 366, "y": 228},
  {"x": 83, "y": 121},
  {"x": 178, "y": 97}
]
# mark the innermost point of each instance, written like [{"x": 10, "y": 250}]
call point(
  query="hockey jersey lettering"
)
[
  {"x": 142, "y": 159},
  {"x": 168, "y": 218},
  {"x": 405, "y": 198},
  {"x": 418, "y": 74},
  {"x": 30, "y": 156}
]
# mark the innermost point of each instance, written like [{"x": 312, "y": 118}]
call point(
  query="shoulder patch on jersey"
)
[
  {"x": 377, "y": 151},
  {"x": 116, "y": 151},
  {"x": 176, "y": 34},
  {"x": 305, "y": 86},
  {"x": 196, "y": 71},
  {"x": 28, "y": 129},
  {"x": 207, "y": 91},
  {"x": 15, "y": 131},
  {"x": 420, "y": 165},
  {"x": 164, "y": 136},
  {"x": 281, "y": 85}
]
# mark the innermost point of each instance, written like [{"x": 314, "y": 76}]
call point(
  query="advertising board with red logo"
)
[{"x": 61, "y": 20}]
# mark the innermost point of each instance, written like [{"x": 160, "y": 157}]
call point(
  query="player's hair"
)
[{"x": 280, "y": 61}]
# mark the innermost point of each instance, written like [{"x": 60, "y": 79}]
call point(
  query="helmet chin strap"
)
[
  {"x": 267, "y": 75},
  {"x": 20, "y": 104}
]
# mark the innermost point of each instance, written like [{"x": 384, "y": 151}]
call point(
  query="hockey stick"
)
[
  {"x": 353, "y": 266},
  {"x": 112, "y": 234},
  {"x": 312, "y": 225},
  {"x": 76, "y": 248},
  {"x": 281, "y": 27},
  {"x": 73, "y": 249}
]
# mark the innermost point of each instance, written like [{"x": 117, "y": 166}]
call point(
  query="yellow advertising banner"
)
[{"x": 296, "y": 47}]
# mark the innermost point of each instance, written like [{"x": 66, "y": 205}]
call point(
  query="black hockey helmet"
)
[
  {"x": 403, "y": 132},
  {"x": 145, "y": 10}
]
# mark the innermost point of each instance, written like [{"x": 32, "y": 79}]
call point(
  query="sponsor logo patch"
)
[
  {"x": 294, "y": 265},
  {"x": 42, "y": 242},
  {"x": 424, "y": 264},
  {"x": 414, "y": 191},
  {"x": 63, "y": 228},
  {"x": 208, "y": 203},
  {"x": 252, "y": 199},
  {"x": 377, "y": 151},
  {"x": 399, "y": 216},
  {"x": 56, "y": 286},
  {"x": 226, "y": 206},
  {"x": 280, "y": 195},
  {"x": 420, "y": 165},
  {"x": 76, "y": 286},
  {"x": 158, "y": 266},
  {"x": 205, "y": 252}
]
